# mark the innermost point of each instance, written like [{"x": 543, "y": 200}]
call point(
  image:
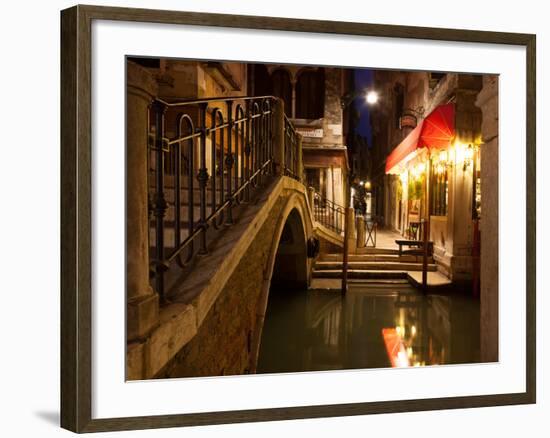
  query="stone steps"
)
[
  {"x": 367, "y": 250},
  {"x": 372, "y": 264},
  {"x": 397, "y": 265},
  {"x": 375, "y": 258},
  {"x": 378, "y": 266},
  {"x": 361, "y": 274}
]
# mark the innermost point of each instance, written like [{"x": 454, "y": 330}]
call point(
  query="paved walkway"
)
[{"x": 385, "y": 239}]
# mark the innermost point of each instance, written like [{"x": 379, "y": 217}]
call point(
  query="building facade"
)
[
  {"x": 427, "y": 150},
  {"x": 313, "y": 102}
]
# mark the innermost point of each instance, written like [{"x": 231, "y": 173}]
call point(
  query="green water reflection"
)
[{"x": 371, "y": 327}]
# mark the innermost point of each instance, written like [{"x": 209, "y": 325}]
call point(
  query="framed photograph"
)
[{"x": 269, "y": 219}]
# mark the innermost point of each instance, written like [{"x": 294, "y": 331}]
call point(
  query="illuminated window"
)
[{"x": 439, "y": 189}]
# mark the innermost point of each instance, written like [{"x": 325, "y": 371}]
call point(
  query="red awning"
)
[
  {"x": 436, "y": 131},
  {"x": 406, "y": 147}
]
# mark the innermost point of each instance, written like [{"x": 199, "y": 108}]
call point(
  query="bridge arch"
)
[
  {"x": 288, "y": 265},
  {"x": 290, "y": 270}
]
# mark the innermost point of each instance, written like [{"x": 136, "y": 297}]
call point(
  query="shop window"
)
[
  {"x": 439, "y": 189},
  {"x": 310, "y": 94},
  {"x": 283, "y": 89}
]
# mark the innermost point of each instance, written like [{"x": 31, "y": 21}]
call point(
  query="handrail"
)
[
  {"x": 328, "y": 213},
  {"x": 173, "y": 103}
]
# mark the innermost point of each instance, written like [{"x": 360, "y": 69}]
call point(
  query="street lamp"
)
[{"x": 371, "y": 97}]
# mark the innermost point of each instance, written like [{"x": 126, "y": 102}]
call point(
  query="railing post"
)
[
  {"x": 361, "y": 232},
  {"x": 348, "y": 238},
  {"x": 160, "y": 201},
  {"x": 300, "y": 159},
  {"x": 425, "y": 255},
  {"x": 311, "y": 199},
  {"x": 270, "y": 135},
  {"x": 279, "y": 137},
  {"x": 142, "y": 301},
  {"x": 350, "y": 226},
  {"x": 248, "y": 149},
  {"x": 202, "y": 177},
  {"x": 229, "y": 160}
]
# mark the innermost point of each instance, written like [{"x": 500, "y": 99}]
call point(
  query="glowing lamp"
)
[
  {"x": 372, "y": 97},
  {"x": 468, "y": 156}
]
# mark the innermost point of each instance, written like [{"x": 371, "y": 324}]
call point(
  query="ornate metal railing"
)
[
  {"x": 328, "y": 213},
  {"x": 205, "y": 157},
  {"x": 291, "y": 162}
]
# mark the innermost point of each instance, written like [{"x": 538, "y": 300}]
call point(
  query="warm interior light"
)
[
  {"x": 367, "y": 185},
  {"x": 443, "y": 156},
  {"x": 372, "y": 97},
  {"x": 469, "y": 153},
  {"x": 404, "y": 177}
]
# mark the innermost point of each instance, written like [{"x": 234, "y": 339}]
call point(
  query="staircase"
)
[{"x": 371, "y": 264}]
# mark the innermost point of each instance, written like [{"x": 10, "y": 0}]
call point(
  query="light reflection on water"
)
[{"x": 371, "y": 327}]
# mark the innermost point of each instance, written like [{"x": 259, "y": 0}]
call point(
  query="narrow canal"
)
[{"x": 371, "y": 327}]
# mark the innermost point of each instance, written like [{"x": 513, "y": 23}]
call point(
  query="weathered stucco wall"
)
[{"x": 488, "y": 102}]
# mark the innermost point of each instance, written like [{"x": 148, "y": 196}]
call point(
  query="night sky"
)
[{"x": 363, "y": 80}]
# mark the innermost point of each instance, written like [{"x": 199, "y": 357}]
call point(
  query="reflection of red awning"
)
[
  {"x": 436, "y": 131},
  {"x": 395, "y": 348}
]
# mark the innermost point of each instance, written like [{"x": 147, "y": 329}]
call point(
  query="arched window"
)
[
  {"x": 310, "y": 94},
  {"x": 282, "y": 88},
  {"x": 262, "y": 81}
]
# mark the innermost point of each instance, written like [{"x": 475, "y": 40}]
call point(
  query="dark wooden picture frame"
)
[{"x": 76, "y": 218}]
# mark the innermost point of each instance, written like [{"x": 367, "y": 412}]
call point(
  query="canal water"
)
[{"x": 373, "y": 326}]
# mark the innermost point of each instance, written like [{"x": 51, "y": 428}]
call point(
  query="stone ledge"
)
[
  {"x": 177, "y": 325},
  {"x": 142, "y": 316},
  {"x": 328, "y": 235},
  {"x": 134, "y": 360}
]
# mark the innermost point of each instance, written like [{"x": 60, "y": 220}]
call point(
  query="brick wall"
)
[{"x": 223, "y": 343}]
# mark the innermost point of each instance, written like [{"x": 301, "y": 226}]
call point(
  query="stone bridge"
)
[
  {"x": 213, "y": 322},
  {"x": 205, "y": 315}
]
